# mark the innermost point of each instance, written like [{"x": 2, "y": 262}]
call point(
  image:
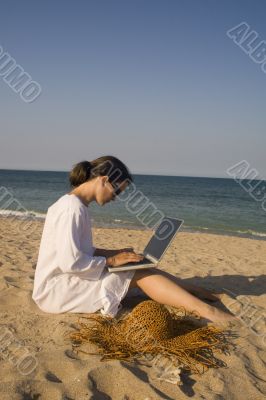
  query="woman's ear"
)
[{"x": 104, "y": 180}]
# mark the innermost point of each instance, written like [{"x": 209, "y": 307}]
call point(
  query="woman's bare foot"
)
[{"x": 218, "y": 316}]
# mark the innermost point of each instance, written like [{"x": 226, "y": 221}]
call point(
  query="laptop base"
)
[{"x": 131, "y": 267}]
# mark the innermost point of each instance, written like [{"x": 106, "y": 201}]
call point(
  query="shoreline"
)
[{"x": 260, "y": 236}]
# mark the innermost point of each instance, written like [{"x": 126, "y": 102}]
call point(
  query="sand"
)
[{"x": 36, "y": 362}]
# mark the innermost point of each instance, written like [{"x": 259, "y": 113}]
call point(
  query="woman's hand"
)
[
  {"x": 123, "y": 258},
  {"x": 109, "y": 253},
  {"x": 126, "y": 249}
]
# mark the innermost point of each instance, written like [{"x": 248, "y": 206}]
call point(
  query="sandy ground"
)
[{"x": 36, "y": 362}]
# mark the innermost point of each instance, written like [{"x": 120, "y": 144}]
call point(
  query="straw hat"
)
[{"x": 151, "y": 329}]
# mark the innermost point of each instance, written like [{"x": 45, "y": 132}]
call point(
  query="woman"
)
[{"x": 72, "y": 275}]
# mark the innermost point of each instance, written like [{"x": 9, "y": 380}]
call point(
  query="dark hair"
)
[{"x": 103, "y": 166}]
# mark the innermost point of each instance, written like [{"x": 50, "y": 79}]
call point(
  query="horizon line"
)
[{"x": 142, "y": 174}]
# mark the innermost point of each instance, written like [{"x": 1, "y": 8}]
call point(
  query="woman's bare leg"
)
[
  {"x": 197, "y": 291},
  {"x": 165, "y": 291},
  {"x": 204, "y": 294}
]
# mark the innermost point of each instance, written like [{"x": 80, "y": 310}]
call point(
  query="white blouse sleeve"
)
[{"x": 70, "y": 257}]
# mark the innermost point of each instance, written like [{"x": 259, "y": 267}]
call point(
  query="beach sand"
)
[{"x": 232, "y": 265}]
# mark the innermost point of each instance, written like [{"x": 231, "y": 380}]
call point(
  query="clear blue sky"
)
[{"x": 156, "y": 83}]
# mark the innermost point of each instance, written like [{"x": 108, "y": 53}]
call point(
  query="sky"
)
[{"x": 158, "y": 84}]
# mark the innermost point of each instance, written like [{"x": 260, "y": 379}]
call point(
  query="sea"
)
[{"x": 210, "y": 205}]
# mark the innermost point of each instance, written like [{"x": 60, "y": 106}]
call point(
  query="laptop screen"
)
[{"x": 162, "y": 237}]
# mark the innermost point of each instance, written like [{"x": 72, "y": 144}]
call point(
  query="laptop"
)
[{"x": 156, "y": 247}]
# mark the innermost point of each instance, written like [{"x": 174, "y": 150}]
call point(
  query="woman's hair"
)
[{"x": 103, "y": 166}]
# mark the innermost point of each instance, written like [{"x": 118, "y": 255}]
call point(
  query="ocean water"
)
[{"x": 212, "y": 205}]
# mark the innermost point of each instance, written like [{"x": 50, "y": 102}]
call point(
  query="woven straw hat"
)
[{"x": 151, "y": 329}]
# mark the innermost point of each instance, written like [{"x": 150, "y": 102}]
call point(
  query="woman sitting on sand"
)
[{"x": 71, "y": 274}]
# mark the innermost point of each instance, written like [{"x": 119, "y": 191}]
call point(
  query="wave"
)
[
  {"x": 236, "y": 232},
  {"x": 22, "y": 214},
  {"x": 250, "y": 232}
]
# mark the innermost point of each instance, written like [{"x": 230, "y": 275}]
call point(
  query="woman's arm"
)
[
  {"x": 110, "y": 253},
  {"x": 69, "y": 255}
]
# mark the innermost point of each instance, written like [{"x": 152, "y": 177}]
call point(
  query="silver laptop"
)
[{"x": 156, "y": 247}]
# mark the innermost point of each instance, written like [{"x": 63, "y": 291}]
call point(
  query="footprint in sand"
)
[
  {"x": 52, "y": 377},
  {"x": 216, "y": 385},
  {"x": 11, "y": 281},
  {"x": 24, "y": 284},
  {"x": 262, "y": 356},
  {"x": 99, "y": 378},
  {"x": 26, "y": 390},
  {"x": 71, "y": 354}
]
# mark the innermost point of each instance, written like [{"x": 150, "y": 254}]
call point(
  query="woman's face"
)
[{"x": 107, "y": 191}]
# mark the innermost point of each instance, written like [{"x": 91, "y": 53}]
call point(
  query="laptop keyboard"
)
[{"x": 144, "y": 261}]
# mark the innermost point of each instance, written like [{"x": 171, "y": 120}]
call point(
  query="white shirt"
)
[{"x": 68, "y": 278}]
